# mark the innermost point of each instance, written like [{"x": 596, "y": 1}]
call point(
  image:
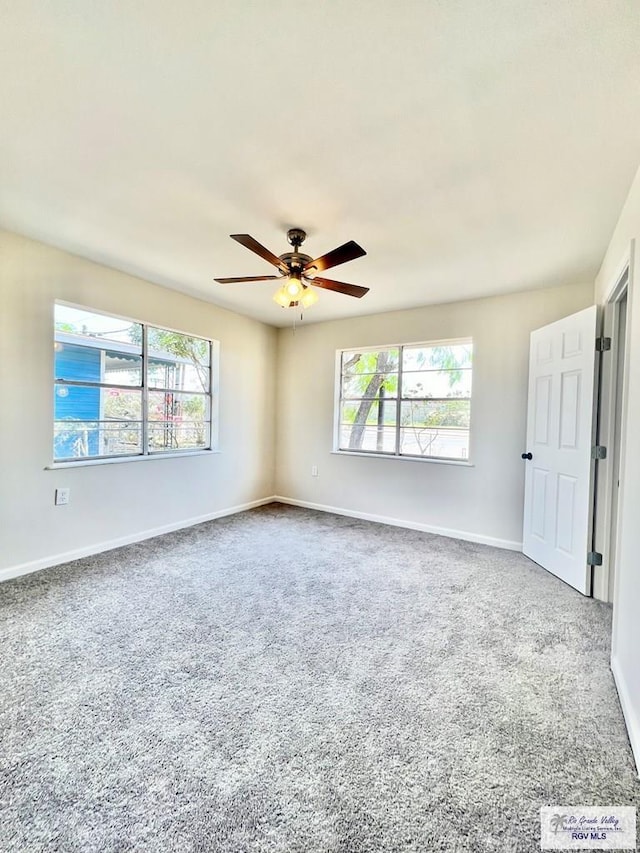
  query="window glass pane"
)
[
  {"x": 122, "y": 369},
  {"x": 437, "y": 357},
  {"x": 77, "y": 361},
  {"x": 178, "y": 435},
  {"x": 435, "y": 413},
  {"x": 75, "y": 439},
  {"x": 100, "y": 329},
  {"x": 86, "y": 403},
  {"x": 368, "y": 385},
  {"x": 178, "y": 421},
  {"x": 121, "y": 405},
  {"x": 166, "y": 345},
  {"x": 178, "y": 375},
  {"x": 437, "y": 383},
  {"x": 378, "y": 361},
  {"x": 369, "y": 412},
  {"x": 173, "y": 405},
  {"x": 96, "y": 421},
  {"x": 444, "y": 443},
  {"x": 372, "y": 438}
]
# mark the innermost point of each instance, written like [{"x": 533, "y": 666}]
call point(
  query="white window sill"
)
[
  {"x": 461, "y": 463},
  {"x": 82, "y": 463}
]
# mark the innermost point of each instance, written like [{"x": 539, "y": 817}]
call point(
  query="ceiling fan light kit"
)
[
  {"x": 298, "y": 271},
  {"x": 288, "y": 297}
]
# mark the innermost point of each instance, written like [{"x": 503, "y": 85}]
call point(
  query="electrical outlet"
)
[
  {"x": 314, "y": 470},
  {"x": 63, "y": 496}
]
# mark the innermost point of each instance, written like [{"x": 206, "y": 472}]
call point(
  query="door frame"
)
[{"x": 605, "y": 536}]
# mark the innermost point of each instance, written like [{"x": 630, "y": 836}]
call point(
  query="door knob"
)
[{"x": 527, "y": 455}]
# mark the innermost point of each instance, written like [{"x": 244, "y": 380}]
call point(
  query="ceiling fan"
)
[{"x": 299, "y": 271}]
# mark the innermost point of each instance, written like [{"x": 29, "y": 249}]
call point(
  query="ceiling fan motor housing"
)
[{"x": 295, "y": 261}]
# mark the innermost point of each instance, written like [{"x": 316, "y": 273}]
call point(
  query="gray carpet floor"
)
[{"x": 284, "y": 681}]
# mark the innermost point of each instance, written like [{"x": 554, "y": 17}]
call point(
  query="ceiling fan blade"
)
[
  {"x": 347, "y": 252},
  {"x": 248, "y": 242},
  {"x": 247, "y": 278},
  {"x": 339, "y": 287}
]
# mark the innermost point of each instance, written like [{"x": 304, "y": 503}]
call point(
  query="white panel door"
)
[{"x": 557, "y": 504}]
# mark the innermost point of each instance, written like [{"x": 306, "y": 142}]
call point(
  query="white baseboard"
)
[
  {"x": 110, "y": 544},
  {"x": 411, "y": 525},
  {"x": 630, "y": 715}
]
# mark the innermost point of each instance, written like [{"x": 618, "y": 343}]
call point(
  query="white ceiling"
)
[{"x": 471, "y": 147}]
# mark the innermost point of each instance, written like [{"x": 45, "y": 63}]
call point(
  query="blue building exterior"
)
[{"x": 74, "y": 403}]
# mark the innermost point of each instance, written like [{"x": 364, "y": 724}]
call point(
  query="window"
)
[
  {"x": 412, "y": 400},
  {"x": 122, "y": 388}
]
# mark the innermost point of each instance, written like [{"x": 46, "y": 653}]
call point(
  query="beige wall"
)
[
  {"x": 482, "y": 502},
  {"x": 117, "y": 501},
  {"x": 626, "y": 621}
]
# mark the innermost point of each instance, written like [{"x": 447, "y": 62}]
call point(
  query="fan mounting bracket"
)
[{"x": 296, "y": 236}]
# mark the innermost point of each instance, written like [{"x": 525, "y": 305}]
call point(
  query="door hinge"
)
[
  {"x": 598, "y": 452},
  {"x": 594, "y": 558},
  {"x": 603, "y": 344}
]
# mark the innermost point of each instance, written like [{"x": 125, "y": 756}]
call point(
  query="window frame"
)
[
  {"x": 396, "y": 454},
  {"x": 211, "y": 395}
]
